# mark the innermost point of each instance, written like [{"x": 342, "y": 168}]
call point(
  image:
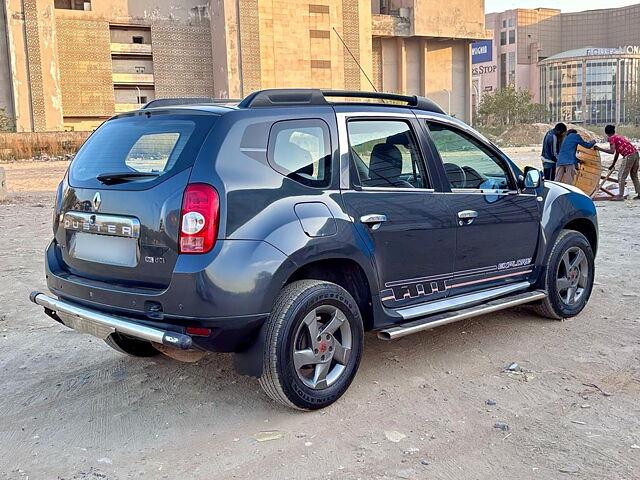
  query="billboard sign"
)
[
  {"x": 482, "y": 51},
  {"x": 628, "y": 49}
]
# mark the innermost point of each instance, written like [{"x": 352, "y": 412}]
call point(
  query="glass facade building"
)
[{"x": 590, "y": 85}]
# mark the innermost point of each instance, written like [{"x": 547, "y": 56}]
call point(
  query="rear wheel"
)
[
  {"x": 568, "y": 276},
  {"x": 131, "y": 346},
  {"x": 313, "y": 345}
]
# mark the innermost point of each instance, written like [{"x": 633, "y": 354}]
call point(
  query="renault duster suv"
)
[{"x": 285, "y": 226}]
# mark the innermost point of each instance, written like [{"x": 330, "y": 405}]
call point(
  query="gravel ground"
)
[{"x": 426, "y": 406}]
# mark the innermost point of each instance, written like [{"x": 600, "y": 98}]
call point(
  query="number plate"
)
[{"x": 104, "y": 249}]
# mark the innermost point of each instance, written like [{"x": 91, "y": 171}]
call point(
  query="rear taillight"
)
[{"x": 199, "y": 218}]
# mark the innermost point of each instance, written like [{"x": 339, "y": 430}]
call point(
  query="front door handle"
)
[
  {"x": 467, "y": 217},
  {"x": 374, "y": 220}
]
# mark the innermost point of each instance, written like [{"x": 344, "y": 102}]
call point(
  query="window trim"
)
[
  {"x": 514, "y": 190},
  {"x": 276, "y": 127},
  {"x": 409, "y": 121}
]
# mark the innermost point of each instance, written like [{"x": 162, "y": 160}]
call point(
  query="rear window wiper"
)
[{"x": 122, "y": 177}]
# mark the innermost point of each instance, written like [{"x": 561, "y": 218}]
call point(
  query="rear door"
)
[
  {"x": 497, "y": 225},
  {"x": 119, "y": 211},
  {"x": 403, "y": 222}
]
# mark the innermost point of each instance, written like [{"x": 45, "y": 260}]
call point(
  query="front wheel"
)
[
  {"x": 568, "y": 276},
  {"x": 313, "y": 345}
]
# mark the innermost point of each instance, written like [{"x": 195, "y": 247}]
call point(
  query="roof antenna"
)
[{"x": 355, "y": 60}]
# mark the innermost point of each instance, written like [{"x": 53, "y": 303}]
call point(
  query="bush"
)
[
  {"x": 25, "y": 145},
  {"x": 7, "y": 124},
  {"x": 506, "y": 107}
]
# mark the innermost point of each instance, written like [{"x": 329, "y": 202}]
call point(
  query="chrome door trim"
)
[
  {"x": 467, "y": 214},
  {"x": 452, "y": 303},
  {"x": 398, "y": 189}
]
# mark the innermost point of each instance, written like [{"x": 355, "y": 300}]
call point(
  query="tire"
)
[
  {"x": 131, "y": 346},
  {"x": 559, "y": 303},
  {"x": 303, "y": 308}
]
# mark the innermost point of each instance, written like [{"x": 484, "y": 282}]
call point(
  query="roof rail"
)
[
  {"x": 168, "y": 102},
  {"x": 280, "y": 97},
  {"x": 309, "y": 96}
]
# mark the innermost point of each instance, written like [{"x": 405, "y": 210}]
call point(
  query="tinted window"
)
[
  {"x": 468, "y": 163},
  {"x": 385, "y": 154},
  {"x": 159, "y": 144},
  {"x": 300, "y": 149}
]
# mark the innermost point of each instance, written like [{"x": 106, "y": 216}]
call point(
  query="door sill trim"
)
[
  {"x": 467, "y": 300},
  {"x": 428, "y": 323}
]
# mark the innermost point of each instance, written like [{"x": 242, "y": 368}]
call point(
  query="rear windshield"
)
[{"x": 158, "y": 145}]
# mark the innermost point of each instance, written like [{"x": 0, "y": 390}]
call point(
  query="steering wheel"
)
[{"x": 456, "y": 175}]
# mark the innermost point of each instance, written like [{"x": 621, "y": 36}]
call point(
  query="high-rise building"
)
[
  {"x": 581, "y": 65},
  {"x": 73, "y": 63}
]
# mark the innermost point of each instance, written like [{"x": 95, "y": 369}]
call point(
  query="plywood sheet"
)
[{"x": 588, "y": 176}]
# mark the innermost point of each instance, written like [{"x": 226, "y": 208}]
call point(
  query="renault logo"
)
[{"x": 97, "y": 200}]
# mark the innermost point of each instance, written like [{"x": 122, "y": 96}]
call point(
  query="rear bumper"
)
[
  {"x": 228, "y": 334},
  {"x": 102, "y": 325}
]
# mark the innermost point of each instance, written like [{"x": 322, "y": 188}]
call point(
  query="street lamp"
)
[{"x": 138, "y": 89}]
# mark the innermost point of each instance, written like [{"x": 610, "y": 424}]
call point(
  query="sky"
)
[{"x": 564, "y": 5}]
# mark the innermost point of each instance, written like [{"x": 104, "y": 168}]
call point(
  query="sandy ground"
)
[{"x": 72, "y": 408}]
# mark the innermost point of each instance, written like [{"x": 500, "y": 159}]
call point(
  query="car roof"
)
[{"x": 292, "y": 97}]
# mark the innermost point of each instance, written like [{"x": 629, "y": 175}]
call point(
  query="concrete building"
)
[
  {"x": 70, "y": 64},
  {"x": 523, "y": 40}
]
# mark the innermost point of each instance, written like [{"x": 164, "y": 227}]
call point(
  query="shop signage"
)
[
  {"x": 628, "y": 50},
  {"x": 482, "y": 51},
  {"x": 482, "y": 69}
]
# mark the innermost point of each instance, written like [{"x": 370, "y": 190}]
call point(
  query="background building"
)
[
  {"x": 591, "y": 85},
  {"x": 71, "y": 64},
  {"x": 523, "y": 41}
]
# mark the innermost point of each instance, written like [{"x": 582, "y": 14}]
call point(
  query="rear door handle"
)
[
  {"x": 374, "y": 220},
  {"x": 467, "y": 216}
]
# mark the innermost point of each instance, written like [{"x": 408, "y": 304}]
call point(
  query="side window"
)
[
  {"x": 300, "y": 150},
  {"x": 385, "y": 154},
  {"x": 468, "y": 163}
]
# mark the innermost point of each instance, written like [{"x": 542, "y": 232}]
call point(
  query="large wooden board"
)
[{"x": 588, "y": 175}]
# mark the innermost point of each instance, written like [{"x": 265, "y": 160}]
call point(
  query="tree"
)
[{"x": 507, "y": 107}]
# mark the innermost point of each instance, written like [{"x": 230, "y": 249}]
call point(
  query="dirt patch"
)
[
  {"x": 532, "y": 134},
  {"x": 425, "y": 406}
]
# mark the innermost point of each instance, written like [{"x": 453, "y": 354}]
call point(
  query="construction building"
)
[{"x": 70, "y": 64}]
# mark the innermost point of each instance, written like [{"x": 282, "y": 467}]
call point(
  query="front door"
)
[
  {"x": 405, "y": 225},
  {"x": 498, "y": 225}
]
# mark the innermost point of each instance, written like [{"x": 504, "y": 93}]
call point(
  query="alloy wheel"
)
[
  {"x": 322, "y": 347},
  {"x": 572, "y": 277}
]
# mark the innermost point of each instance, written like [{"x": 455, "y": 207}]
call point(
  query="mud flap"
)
[{"x": 249, "y": 362}]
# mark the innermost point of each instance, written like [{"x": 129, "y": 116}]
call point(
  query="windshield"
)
[{"x": 140, "y": 149}]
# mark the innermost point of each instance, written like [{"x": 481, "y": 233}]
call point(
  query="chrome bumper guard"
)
[{"x": 102, "y": 325}]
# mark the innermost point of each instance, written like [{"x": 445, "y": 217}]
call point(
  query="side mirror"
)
[{"x": 532, "y": 178}]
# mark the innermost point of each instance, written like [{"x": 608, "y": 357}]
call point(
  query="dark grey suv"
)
[{"x": 285, "y": 226}]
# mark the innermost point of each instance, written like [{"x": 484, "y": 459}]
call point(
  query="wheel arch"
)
[
  {"x": 586, "y": 228},
  {"x": 346, "y": 273},
  {"x": 341, "y": 270}
]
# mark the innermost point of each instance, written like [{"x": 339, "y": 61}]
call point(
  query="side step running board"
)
[{"x": 433, "y": 321}]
